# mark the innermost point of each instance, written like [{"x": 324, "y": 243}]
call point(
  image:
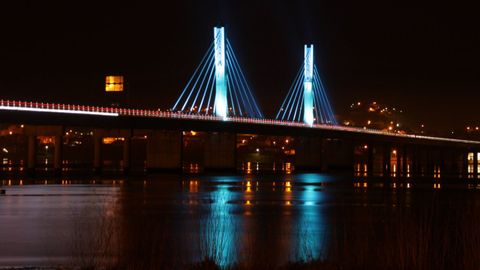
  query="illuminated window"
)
[
  {"x": 114, "y": 83},
  {"x": 470, "y": 167},
  {"x": 470, "y": 158}
]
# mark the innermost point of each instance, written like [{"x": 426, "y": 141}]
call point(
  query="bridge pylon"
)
[
  {"x": 221, "y": 103},
  {"x": 307, "y": 100},
  {"x": 308, "y": 85},
  {"x": 218, "y": 86}
]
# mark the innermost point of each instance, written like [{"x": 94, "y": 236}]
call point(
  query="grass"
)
[{"x": 437, "y": 235}]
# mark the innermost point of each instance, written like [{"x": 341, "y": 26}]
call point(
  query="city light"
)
[{"x": 26, "y": 109}]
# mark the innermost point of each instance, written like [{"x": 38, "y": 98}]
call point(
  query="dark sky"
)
[{"x": 420, "y": 56}]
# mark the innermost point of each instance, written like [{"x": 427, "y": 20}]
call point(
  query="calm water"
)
[{"x": 173, "y": 220}]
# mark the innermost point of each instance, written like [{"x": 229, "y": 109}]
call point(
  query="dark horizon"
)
[{"x": 422, "y": 59}]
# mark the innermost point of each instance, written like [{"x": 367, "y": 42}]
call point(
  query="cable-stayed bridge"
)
[{"x": 218, "y": 99}]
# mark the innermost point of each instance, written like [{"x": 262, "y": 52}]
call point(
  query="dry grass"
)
[{"x": 436, "y": 236}]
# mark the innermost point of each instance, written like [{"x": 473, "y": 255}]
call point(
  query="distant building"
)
[
  {"x": 113, "y": 83},
  {"x": 115, "y": 90}
]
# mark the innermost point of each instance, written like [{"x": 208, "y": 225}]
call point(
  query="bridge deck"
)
[{"x": 55, "y": 108}]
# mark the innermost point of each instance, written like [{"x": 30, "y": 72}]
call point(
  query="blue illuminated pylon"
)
[
  {"x": 307, "y": 100},
  {"x": 221, "y": 104},
  {"x": 218, "y": 86},
  {"x": 308, "y": 85}
]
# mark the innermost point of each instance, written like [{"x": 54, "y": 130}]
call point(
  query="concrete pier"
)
[
  {"x": 220, "y": 151},
  {"x": 126, "y": 161},
  {"x": 164, "y": 151},
  {"x": 308, "y": 153},
  {"x": 32, "y": 153},
  {"x": 97, "y": 152},
  {"x": 58, "y": 155}
]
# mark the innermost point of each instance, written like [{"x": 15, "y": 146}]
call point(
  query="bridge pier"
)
[
  {"x": 378, "y": 160},
  {"x": 434, "y": 158},
  {"x": 58, "y": 157},
  {"x": 459, "y": 163},
  {"x": 220, "y": 151},
  {"x": 127, "y": 144},
  {"x": 338, "y": 155},
  {"x": 32, "y": 153},
  {"x": 97, "y": 152},
  {"x": 386, "y": 161},
  {"x": 308, "y": 153},
  {"x": 164, "y": 151},
  {"x": 32, "y": 133},
  {"x": 405, "y": 162},
  {"x": 370, "y": 160},
  {"x": 446, "y": 165},
  {"x": 421, "y": 161},
  {"x": 397, "y": 153}
]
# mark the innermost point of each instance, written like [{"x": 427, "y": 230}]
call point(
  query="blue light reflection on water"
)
[
  {"x": 228, "y": 218},
  {"x": 239, "y": 218}
]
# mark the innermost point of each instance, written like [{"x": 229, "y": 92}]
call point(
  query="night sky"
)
[{"x": 420, "y": 56}]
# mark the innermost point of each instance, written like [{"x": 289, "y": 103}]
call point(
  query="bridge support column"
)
[
  {"x": 405, "y": 161},
  {"x": 386, "y": 161},
  {"x": 379, "y": 160},
  {"x": 126, "y": 153},
  {"x": 220, "y": 151},
  {"x": 431, "y": 162},
  {"x": 32, "y": 153},
  {"x": 413, "y": 156},
  {"x": 97, "y": 152},
  {"x": 370, "y": 160},
  {"x": 447, "y": 164},
  {"x": 398, "y": 162},
  {"x": 164, "y": 151},
  {"x": 308, "y": 153},
  {"x": 338, "y": 155},
  {"x": 425, "y": 162},
  {"x": 458, "y": 163},
  {"x": 464, "y": 164},
  {"x": 58, "y": 157}
]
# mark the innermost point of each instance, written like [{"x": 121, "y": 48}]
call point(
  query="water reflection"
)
[
  {"x": 218, "y": 235},
  {"x": 165, "y": 222}
]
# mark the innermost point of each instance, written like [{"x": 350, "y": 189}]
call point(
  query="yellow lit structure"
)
[
  {"x": 113, "y": 83},
  {"x": 110, "y": 140}
]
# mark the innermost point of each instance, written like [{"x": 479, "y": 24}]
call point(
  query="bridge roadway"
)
[
  {"x": 36, "y": 113},
  {"x": 318, "y": 146}
]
